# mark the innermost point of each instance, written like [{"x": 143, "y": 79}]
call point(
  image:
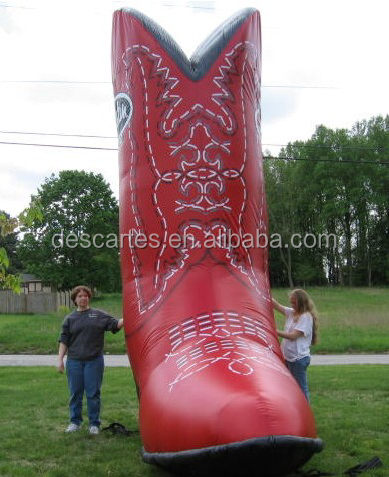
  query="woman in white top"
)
[{"x": 299, "y": 333}]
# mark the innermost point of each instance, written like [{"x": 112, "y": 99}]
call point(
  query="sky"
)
[{"x": 323, "y": 62}]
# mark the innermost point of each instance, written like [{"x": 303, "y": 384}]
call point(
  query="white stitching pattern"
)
[
  {"x": 192, "y": 179},
  {"x": 240, "y": 341}
]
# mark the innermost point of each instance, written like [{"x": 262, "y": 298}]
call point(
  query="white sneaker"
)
[
  {"x": 72, "y": 427},
  {"x": 94, "y": 430}
]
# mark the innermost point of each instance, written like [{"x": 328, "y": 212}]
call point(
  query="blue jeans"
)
[
  {"x": 85, "y": 376},
  {"x": 299, "y": 372}
]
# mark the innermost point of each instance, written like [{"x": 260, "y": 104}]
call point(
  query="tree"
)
[
  {"x": 72, "y": 244},
  {"x": 281, "y": 195},
  {"x": 9, "y": 279},
  {"x": 377, "y": 134},
  {"x": 292, "y": 205},
  {"x": 338, "y": 187},
  {"x": 8, "y": 242}
]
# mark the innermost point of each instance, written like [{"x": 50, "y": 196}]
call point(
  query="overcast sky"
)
[{"x": 323, "y": 62}]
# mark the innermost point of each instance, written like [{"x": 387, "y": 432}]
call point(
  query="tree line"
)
[
  {"x": 70, "y": 204},
  {"x": 335, "y": 184}
]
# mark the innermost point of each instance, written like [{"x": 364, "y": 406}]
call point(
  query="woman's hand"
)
[
  {"x": 290, "y": 336},
  {"x": 278, "y": 307},
  {"x": 61, "y": 353},
  {"x": 60, "y": 366}
]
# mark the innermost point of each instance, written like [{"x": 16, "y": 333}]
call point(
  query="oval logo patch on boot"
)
[{"x": 123, "y": 110}]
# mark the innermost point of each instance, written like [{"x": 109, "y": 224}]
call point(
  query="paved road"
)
[{"x": 122, "y": 360}]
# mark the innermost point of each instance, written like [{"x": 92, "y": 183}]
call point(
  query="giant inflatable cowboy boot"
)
[{"x": 215, "y": 395}]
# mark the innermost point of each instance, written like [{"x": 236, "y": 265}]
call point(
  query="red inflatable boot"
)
[{"x": 215, "y": 395}]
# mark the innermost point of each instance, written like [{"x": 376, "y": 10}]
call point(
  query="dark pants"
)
[
  {"x": 299, "y": 372},
  {"x": 85, "y": 376}
]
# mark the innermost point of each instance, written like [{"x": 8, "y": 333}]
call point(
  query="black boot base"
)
[{"x": 272, "y": 456}]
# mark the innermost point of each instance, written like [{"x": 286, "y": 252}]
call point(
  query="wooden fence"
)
[{"x": 38, "y": 302}]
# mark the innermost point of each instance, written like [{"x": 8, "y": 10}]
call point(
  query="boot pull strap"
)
[
  {"x": 117, "y": 428},
  {"x": 373, "y": 463}
]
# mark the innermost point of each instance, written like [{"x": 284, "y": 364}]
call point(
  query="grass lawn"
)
[
  {"x": 351, "y": 320},
  {"x": 350, "y": 404}
]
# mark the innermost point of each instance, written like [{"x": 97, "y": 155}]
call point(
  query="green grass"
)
[
  {"x": 351, "y": 320},
  {"x": 352, "y": 415},
  {"x": 34, "y": 414},
  {"x": 350, "y": 404}
]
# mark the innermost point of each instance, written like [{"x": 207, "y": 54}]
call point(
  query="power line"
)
[
  {"x": 58, "y": 134},
  {"x": 286, "y": 86},
  {"x": 59, "y": 145},
  {"x": 191, "y": 7},
  {"x": 319, "y": 146},
  {"x": 298, "y": 86},
  {"x": 17, "y": 6},
  {"x": 265, "y": 157},
  {"x": 322, "y": 146},
  {"x": 54, "y": 82},
  {"x": 326, "y": 160}
]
